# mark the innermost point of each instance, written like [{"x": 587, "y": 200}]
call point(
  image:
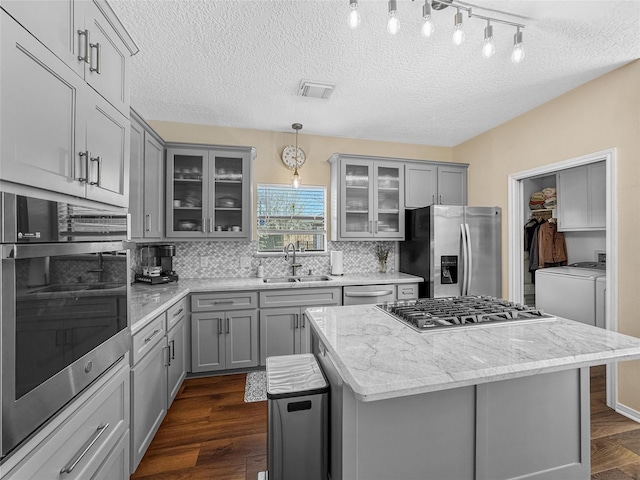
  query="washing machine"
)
[{"x": 570, "y": 292}]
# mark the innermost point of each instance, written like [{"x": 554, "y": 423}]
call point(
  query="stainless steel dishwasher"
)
[{"x": 362, "y": 294}]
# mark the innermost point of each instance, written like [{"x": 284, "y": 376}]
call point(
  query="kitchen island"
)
[{"x": 485, "y": 402}]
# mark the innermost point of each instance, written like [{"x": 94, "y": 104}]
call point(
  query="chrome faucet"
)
[{"x": 294, "y": 264}]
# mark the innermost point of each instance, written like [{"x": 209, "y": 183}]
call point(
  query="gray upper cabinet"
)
[
  {"x": 87, "y": 36},
  {"x": 209, "y": 191},
  {"x": 435, "y": 183},
  {"x": 369, "y": 195},
  {"x": 582, "y": 198},
  {"x": 67, "y": 137},
  {"x": 146, "y": 192}
]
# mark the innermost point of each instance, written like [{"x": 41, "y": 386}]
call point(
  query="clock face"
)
[{"x": 289, "y": 157}]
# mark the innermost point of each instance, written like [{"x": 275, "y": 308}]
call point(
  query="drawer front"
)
[
  {"x": 407, "y": 291},
  {"x": 103, "y": 420},
  {"x": 175, "y": 313},
  {"x": 148, "y": 337},
  {"x": 213, "y": 302},
  {"x": 294, "y": 297}
]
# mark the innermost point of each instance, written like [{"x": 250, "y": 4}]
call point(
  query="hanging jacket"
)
[{"x": 552, "y": 249}]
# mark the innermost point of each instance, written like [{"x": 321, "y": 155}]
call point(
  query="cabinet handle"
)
[
  {"x": 204, "y": 225},
  {"x": 98, "y": 160},
  {"x": 155, "y": 332},
  {"x": 167, "y": 362},
  {"x": 210, "y": 225},
  {"x": 86, "y": 154},
  {"x": 303, "y": 321},
  {"x": 84, "y": 58},
  {"x": 376, "y": 225},
  {"x": 173, "y": 349},
  {"x": 68, "y": 468},
  {"x": 98, "y": 58},
  {"x": 147, "y": 222},
  {"x": 178, "y": 313},
  {"x": 370, "y": 226},
  {"x": 295, "y": 321},
  {"x": 223, "y": 302},
  {"x": 228, "y": 325},
  {"x": 219, "y": 326},
  {"x": 433, "y": 198},
  {"x": 440, "y": 199}
]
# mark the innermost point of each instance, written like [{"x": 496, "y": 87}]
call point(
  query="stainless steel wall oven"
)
[{"x": 65, "y": 283}]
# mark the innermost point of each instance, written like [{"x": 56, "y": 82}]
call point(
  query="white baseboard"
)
[{"x": 628, "y": 412}]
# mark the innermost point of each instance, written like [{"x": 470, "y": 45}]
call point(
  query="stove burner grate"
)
[{"x": 427, "y": 314}]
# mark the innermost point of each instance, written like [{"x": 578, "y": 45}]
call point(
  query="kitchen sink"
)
[{"x": 306, "y": 278}]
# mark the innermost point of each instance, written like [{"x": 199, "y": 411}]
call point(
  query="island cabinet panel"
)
[{"x": 534, "y": 427}]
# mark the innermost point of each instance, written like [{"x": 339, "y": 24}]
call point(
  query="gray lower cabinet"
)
[
  {"x": 224, "y": 340},
  {"x": 224, "y": 331},
  {"x": 177, "y": 349},
  {"x": 148, "y": 387},
  {"x": 284, "y": 328},
  {"x": 101, "y": 413}
]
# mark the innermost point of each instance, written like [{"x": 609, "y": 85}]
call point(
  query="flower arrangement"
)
[{"x": 382, "y": 252}]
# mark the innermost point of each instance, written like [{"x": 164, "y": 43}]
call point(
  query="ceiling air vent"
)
[{"x": 315, "y": 89}]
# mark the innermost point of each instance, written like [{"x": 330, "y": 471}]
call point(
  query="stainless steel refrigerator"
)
[{"x": 456, "y": 249}]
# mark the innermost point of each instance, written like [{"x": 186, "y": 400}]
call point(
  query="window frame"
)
[{"x": 323, "y": 232}]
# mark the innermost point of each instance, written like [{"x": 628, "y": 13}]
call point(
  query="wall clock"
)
[{"x": 289, "y": 157}]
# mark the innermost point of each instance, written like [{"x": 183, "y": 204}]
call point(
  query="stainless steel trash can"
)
[{"x": 297, "y": 402}]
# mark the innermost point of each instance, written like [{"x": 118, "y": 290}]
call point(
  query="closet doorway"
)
[{"x": 582, "y": 245}]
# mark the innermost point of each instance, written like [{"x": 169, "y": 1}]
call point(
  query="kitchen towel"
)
[{"x": 336, "y": 262}]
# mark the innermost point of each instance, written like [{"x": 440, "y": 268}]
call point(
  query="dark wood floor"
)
[{"x": 210, "y": 433}]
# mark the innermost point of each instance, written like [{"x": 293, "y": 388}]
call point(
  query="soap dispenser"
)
[{"x": 260, "y": 270}]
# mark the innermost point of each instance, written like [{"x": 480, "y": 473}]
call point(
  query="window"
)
[{"x": 291, "y": 215}]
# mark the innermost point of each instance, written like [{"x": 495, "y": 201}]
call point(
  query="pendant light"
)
[{"x": 296, "y": 179}]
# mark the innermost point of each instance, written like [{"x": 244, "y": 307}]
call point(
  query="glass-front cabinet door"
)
[
  {"x": 357, "y": 199},
  {"x": 388, "y": 221},
  {"x": 187, "y": 192},
  {"x": 209, "y": 192}
]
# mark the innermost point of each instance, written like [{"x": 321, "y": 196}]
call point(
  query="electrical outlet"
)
[
  {"x": 204, "y": 262},
  {"x": 245, "y": 262}
]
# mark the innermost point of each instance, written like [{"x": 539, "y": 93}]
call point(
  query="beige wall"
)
[
  {"x": 268, "y": 168},
  {"x": 601, "y": 114}
]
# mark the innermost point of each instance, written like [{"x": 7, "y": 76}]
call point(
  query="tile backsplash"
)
[{"x": 214, "y": 259}]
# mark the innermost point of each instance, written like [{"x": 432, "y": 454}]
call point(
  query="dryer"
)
[{"x": 570, "y": 292}]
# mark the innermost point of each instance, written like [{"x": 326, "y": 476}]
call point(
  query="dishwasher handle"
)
[{"x": 374, "y": 293}]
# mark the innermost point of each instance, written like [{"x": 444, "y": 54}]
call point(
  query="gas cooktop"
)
[{"x": 427, "y": 314}]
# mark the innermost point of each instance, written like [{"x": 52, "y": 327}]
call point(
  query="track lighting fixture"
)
[
  {"x": 458, "y": 30},
  {"x": 518, "y": 49},
  {"x": 427, "y": 26},
  {"x": 393, "y": 25},
  {"x": 488, "y": 47},
  {"x": 354, "y": 15}
]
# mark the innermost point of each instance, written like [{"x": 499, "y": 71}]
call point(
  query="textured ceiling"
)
[{"x": 239, "y": 64}]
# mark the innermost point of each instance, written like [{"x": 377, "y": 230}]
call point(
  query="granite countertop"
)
[
  {"x": 379, "y": 357},
  {"x": 148, "y": 301}
]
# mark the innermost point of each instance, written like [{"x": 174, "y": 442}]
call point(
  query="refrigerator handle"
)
[
  {"x": 465, "y": 259},
  {"x": 470, "y": 254}
]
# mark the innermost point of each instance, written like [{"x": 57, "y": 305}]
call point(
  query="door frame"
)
[{"x": 516, "y": 222}]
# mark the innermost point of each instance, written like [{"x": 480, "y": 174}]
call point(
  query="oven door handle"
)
[{"x": 19, "y": 251}]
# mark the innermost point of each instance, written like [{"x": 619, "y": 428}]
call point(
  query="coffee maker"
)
[{"x": 157, "y": 264}]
